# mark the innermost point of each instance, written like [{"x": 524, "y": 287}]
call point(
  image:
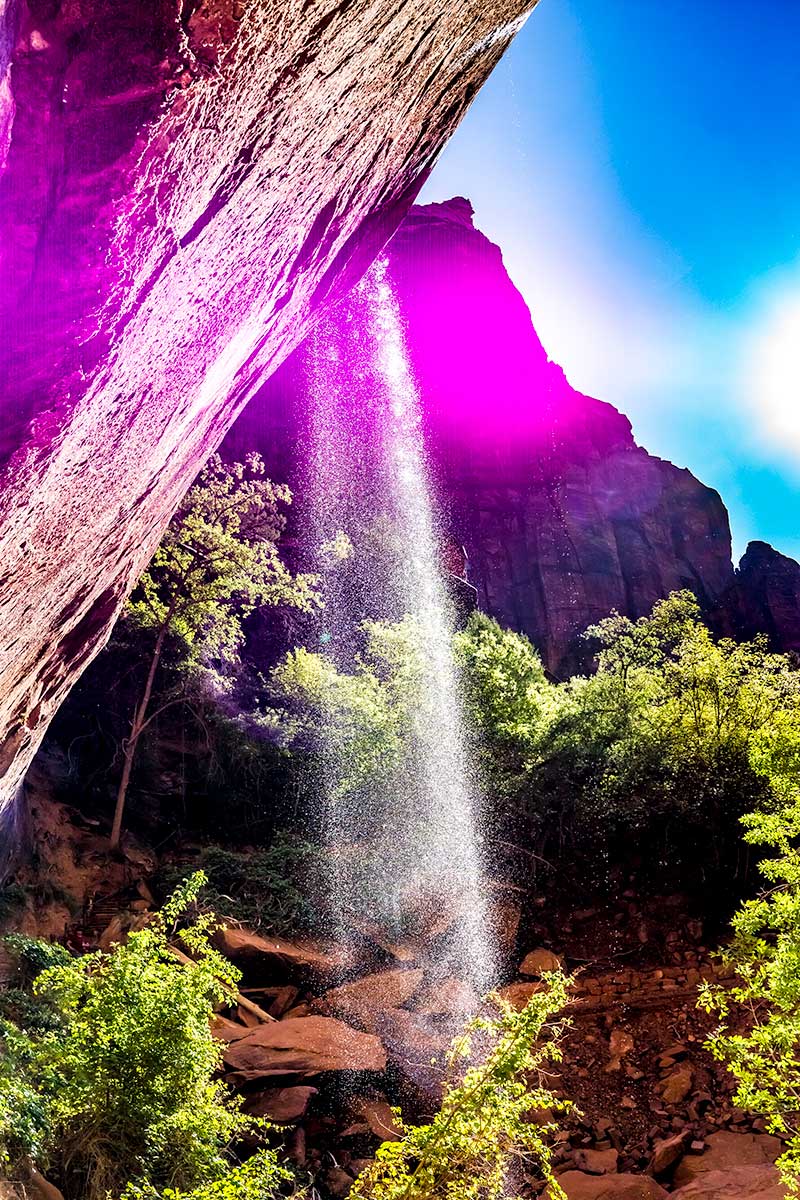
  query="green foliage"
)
[
  {"x": 24, "y": 1116},
  {"x": 654, "y": 757},
  {"x": 265, "y": 889},
  {"x": 217, "y": 561},
  {"x": 30, "y": 1013},
  {"x": 32, "y": 955},
  {"x": 488, "y": 1117},
  {"x": 762, "y": 1050},
  {"x": 370, "y": 720},
  {"x": 124, "y": 1090},
  {"x": 508, "y": 696},
  {"x": 260, "y": 1178},
  {"x": 672, "y": 734}
]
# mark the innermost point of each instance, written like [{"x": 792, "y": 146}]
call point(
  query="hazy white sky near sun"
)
[{"x": 651, "y": 221}]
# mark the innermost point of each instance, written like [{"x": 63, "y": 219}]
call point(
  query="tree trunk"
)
[{"x": 137, "y": 725}]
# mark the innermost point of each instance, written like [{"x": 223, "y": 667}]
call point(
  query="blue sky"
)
[{"x": 639, "y": 163}]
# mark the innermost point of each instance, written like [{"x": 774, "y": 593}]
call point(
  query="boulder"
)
[
  {"x": 726, "y": 1151},
  {"x": 538, "y": 962},
  {"x": 257, "y": 955},
  {"x": 735, "y": 1183},
  {"x": 666, "y": 1153},
  {"x": 228, "y": 1031},
  {"x": 284, "y": 1106},
  {"x": 619, "y": 1045},
  {"x": 412, "y": 1042},
  {"x": 362, "y": 1001},
  {"x": 596, "y": 1162},
  {"x": 381, "y": 1120},
  {"x": 579, "y": 1186},
  {"x": 338, "y": 1182},
  {"x": 448, "y": 997},
  {"x": 518, "y": 994},
  {"x": 303, "y": 1046},
  {"x": 677, "y": 1085}
]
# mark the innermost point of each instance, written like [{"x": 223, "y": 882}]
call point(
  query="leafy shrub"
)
[
  {"x": 488, "y": 1116},
  {"x": 24, "y": 1117},
  {"x": 260, "y": 1178},
  {"x": 123, "y": 1090},
  {"x": 664, "y": 740},
  {"x": 28, "y": 1012},
  {"x": 32, "y": 955},
  {"x": 765, "y": 953},
  {"x": 266, "y": 889}
]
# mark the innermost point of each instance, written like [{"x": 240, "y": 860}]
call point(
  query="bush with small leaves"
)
[
  {"x": 488, "y": 1117},
  {"x": 260, "y": 1178},
  {"x": 764, "y": 1055},
  {"x": 122, "y": 1091}
]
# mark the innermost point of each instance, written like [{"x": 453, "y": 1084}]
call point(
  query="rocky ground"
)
[{"x": 327, "y": 1038}]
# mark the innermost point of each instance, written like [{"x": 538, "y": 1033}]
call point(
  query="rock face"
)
[
  {"x": 578, "y": 1186},
  {"x": 303, "y": 1046},
  {"x": 764, "y": 598},
  {"x": 563, "y": 516},
  {"x": 728, "y": 1151},
  {"x": 185, "y": 184},
  {"x": 738, "y": 1183}
]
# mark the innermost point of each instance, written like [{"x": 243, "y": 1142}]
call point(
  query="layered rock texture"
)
[
  {"x": 764, "y": 598},
  {"x": 563, "y": 516},
  {"x": 185, "y": 184}
]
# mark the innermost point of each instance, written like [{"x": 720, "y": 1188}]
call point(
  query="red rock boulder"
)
[{"x": 303, "y": 1046}]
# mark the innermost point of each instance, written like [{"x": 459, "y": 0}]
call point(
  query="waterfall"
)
[{"x": 367, "y": 477}]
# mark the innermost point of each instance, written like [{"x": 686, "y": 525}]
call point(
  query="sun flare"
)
[{"x": 774, "y": 384}]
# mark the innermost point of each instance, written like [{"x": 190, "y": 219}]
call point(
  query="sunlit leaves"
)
[
  {"x": 489, "y": 1119},
  {"x": 218, "y": 561},
  {"x": 124, "y": 1088}
]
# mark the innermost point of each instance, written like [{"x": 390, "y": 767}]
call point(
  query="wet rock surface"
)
[{"x": 185, "y": 187}]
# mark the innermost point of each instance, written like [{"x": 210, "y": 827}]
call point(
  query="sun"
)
[{"x": 775, "y": 377}]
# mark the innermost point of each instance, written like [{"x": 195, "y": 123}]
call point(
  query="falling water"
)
[{"x": 368, "y": 477}]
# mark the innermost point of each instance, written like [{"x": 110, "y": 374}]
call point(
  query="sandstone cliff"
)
[
  {"x": 563, "y": 516},
  {"x": 184, "y": 185},
  {"x": 763, "y": 598}
]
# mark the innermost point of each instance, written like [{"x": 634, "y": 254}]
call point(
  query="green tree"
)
[
  {"x": 367, "y": 719},
  {"x": 666, "y": 736},
  {"x": 491, "y": 1112},
  {"x": 764, "y": 1056},
  {"x": 216, "y": 563},
  {"x": 120, "y": 1087},
  {"x": 508, "y": 698}
]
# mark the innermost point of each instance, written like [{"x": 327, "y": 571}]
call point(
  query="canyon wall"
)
[
  {"x": 186, "y": 183},
  {"x": 563, "y": 516},
  {"x": 764, "y": 597}
]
